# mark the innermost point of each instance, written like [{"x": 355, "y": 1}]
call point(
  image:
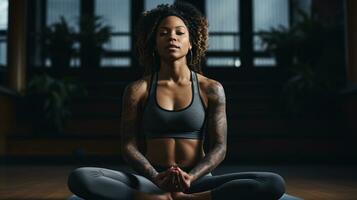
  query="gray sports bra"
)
[{"x": 188, "y": 122}]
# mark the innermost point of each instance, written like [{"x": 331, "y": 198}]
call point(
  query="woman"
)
[{"x": 174, "y": 108}]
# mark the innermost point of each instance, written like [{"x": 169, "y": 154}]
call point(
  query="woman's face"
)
[{"x": 172, "y": 39}]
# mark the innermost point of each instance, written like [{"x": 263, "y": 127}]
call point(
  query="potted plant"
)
[
  {"x": 51, "y": 99},
  {"x": 93, "y": 35},
  {"x": 59, "y": 41},
  {"x": 281, "y": 42}
]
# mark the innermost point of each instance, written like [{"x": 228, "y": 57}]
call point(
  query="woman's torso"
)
[{"x": 171, "y": 108}]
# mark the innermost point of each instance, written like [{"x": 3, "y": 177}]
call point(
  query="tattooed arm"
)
[
  {"x": 129, "y": 130},
  {"x": 217, "y": 130}
]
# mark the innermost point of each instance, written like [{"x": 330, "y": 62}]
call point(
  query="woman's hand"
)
[
  {"x": 168, "y": 180},
  {"x": 173, "y": 180},
  {"x": 161, "y": 180},
  {"x": 184, "y": 179}
]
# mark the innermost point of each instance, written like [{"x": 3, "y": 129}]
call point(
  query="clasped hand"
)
[{"x": 173, "y": 179}]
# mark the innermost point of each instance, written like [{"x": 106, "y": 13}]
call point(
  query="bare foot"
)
[
  {"x": 181, "y": 196},
  {"x": 195, "y": 196},
  {"x": 146, "y": 196}
]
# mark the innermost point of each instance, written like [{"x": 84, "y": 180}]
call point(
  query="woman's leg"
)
[
  {"x": 245, "y": 185},
  {"x": 98, "y": 183}
]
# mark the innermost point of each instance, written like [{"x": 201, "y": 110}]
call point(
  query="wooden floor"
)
[{"x": 310, "y": 182}]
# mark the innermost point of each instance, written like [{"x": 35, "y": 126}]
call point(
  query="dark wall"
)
[{"x": 258, "y": 128}]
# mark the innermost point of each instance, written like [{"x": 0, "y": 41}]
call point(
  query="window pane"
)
[
  {"x": 258, "y": 43},
  {"x": 270, "y": 13},
  {"x": 224, "y": 43},
  {"x": 223, "y": 17},
  {"x": 69, "y": 9},
  {"x": 150, "y": 4},
  {"x": 264, "y": 62},
  {"x": 223, "y": 62},
  {"x": 3, "y": 51},
  {"x": 115, "y": 62},
  {"x": 74, "y": 63},
  {"x": 115, "y": 13},
  {"x": 118, "y": 43},
  {"x": 4, "y": 5}
]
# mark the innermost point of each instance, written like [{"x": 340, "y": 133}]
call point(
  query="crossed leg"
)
[
  {"x": 99, "y": 183},
  {"x": 242, "y": 185}
]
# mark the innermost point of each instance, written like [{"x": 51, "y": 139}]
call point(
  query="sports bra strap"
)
[
  {"x": 195, "y": 83},
  {"x": 152, "y": 84}
]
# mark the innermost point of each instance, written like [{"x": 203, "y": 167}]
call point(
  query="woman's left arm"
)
[{"x": 217, "y": 130}]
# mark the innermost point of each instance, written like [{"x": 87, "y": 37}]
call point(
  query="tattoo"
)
[
  {"x": 129, "y": 132},
  {"x": 217, "y": 130}
]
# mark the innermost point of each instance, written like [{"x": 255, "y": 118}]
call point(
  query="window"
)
[
  {"x": 233, "y": 27},
  {"x": 117, "y": 15},
  {"x": 224, "y": 30},
  {"x": 4, "y": 5},
  {"x": 266, "y": 15},
  {"x": 70, "y": 11},
  {"x": 229, "y": 20}
]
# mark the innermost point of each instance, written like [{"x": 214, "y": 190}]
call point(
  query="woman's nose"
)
[{"x": 172, "y": 36}]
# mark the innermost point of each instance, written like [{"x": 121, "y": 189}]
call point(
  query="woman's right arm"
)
[{"x": 129, "y": 130}]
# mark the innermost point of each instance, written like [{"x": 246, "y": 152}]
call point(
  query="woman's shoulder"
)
[
  {"x": 209, "y": 85},
  {"x": 137, "y": 89}
]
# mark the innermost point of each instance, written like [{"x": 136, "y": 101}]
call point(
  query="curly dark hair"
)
[{"x": 146, "y": 31}]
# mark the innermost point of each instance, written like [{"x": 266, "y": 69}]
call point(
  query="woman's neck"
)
[{"x": 174, "y": 71}]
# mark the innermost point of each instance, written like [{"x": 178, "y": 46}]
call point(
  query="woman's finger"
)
[
  {"x": 180, "y": 182},
  {"x": 184, "y": 183},
  {"x": 183, "y": 172},
  {"x": 185, "y": 179},
  {"x": 173, "y": 178}
]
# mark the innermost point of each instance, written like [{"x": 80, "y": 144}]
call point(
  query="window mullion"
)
[
  {"x": 87, "y": 8},
  {"x": 246, "y": 30},
  {"x": 137, "y": 8}
]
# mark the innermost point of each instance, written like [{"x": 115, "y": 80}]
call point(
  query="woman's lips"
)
[{"x": 172, "y": 47}]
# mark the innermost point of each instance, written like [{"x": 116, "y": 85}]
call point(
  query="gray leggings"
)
[{"x": 105, "y": 184}]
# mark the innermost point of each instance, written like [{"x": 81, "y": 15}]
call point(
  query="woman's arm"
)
[
  {"x": 129, "y": 130},
  {"x": 217, "y": 130}
]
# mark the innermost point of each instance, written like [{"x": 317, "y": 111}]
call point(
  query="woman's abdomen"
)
[{"x": 170, "y": 151}]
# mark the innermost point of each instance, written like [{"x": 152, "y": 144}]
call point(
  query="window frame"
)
[
  {"x": 246, "y": 52},
  {"x": 3, "y": 39}
]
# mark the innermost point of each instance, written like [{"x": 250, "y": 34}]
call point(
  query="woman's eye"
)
[
  {"x": 163, "y": 33},
  {"x": 166, "y": 32}
]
